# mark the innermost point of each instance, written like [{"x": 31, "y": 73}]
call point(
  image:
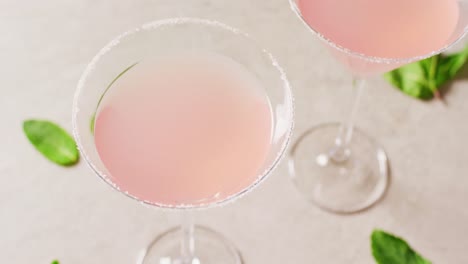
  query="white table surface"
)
[{"x": 48, "y": 212}]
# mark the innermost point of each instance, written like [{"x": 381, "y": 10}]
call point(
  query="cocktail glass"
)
[
  {"x": 189, "y": 244},
  {"x": 337, "y": 166}
]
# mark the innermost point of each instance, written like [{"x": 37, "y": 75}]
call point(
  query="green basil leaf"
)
[
  {"x": 423, "y": 79},
  {"x": 450, "y": 65},
  {"x": 412, "y": 79},
  {"x": 389, "y": 249},
  {"x": 55, "y": 262},
  {"x": 52, "y": 141}
]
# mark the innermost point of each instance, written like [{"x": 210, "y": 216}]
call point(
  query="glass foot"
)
[
  {"x": 210, "y": 248},
  {"x": 345, "y": 182}
]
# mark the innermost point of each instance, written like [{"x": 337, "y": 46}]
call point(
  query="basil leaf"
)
[
  {"x": 423, "y": 79},
  {"x": 450, "y": 65},
  {"x": 389, "y": 249},
  {"x": 55, "y": 262},
  {"x": 412, "y": 79},
  {"x": 52, "y": 141}
]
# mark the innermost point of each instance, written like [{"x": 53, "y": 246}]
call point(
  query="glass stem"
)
[
  {"x": 187, "y": 246},
  {"x": 341, "y": 152}
]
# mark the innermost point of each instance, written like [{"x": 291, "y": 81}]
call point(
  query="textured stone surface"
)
[{"x": 48, "y": 212}]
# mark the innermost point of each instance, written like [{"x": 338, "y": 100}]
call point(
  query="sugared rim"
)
[
  {"x": 154, "y": 26},
  {"x": 362, "y": 56}
]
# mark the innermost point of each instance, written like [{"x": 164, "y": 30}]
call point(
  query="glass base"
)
[
  {"x": 210, "y": 248},
  {"x": 347, "y": 182}
]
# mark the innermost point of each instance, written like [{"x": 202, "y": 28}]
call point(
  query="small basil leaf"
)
[
  {"x": 389, "y": 249},
  {"x": 450, "y": 65},
  {"x": 423, "y": 79},
  {"x": 55, "y": 262},
  {"x": 52, "y": 141},
  {"x": 412, "y": 80}
]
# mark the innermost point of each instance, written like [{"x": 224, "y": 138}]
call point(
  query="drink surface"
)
[
  {"x": 384, "y": 28},
  {"x": 187, "y": 129}
]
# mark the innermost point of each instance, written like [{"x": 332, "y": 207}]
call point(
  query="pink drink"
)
[
  {"x": 383, "y": 28},
  {"x": 183, "y": 130}
]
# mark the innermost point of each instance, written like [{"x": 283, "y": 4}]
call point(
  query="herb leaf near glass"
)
[
  {"x": 390, "y": 249},
  {"x": 52, "y": 141},
  {"x": 424, "y": 79}
]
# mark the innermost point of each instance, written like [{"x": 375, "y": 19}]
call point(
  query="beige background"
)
[{"x": 49, "y": 212}]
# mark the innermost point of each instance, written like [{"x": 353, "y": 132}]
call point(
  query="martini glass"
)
[
  {"x": 190, "y": 244},
  {"x": 337, "y": 166}
]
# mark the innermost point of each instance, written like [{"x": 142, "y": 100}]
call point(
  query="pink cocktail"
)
[
  {"x": 185, "y": 130},
  {"x": 184, "y": 113},
  {"x": 336, "y": 166}
]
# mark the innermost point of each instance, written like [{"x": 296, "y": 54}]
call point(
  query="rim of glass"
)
[
  {"x": 173, "y": 22},
  {"x": 298, "y": 12}
]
